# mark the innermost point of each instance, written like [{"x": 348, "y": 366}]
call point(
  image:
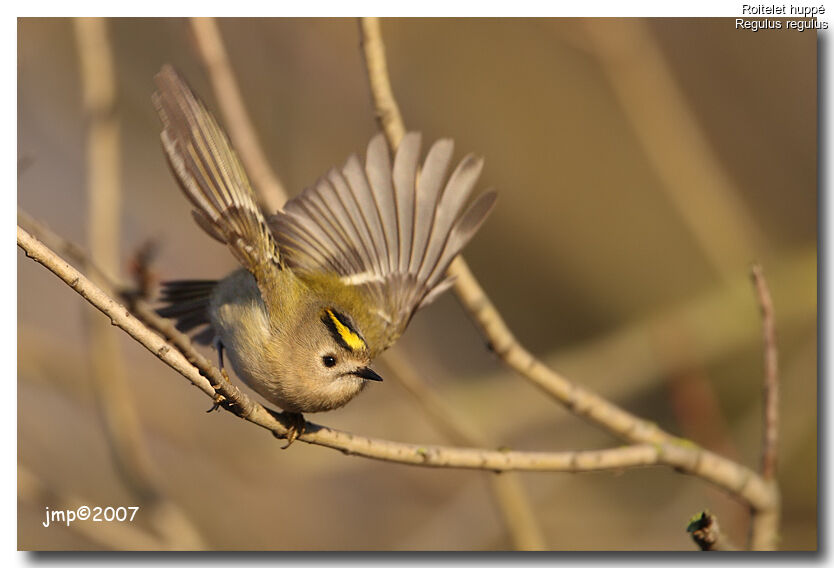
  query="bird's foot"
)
[
  {"x": 218, "y": 402},
  {"x": 296, "y": 428}
]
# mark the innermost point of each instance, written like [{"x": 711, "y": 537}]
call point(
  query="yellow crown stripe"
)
[{"x": 350, "y": 337}]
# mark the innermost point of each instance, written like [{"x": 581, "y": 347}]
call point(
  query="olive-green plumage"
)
[{"x": 330, "y": 281}]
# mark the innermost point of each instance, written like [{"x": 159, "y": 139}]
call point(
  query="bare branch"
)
[
  {"x": 706, "y": 533},
  {"x": 68, "y": 249},
  {"x": 578, "y": 400},
  {"x": 770, "y": 417},
  {"x": 385, "y": 105},
  {"x": 764, "y": 525},
  {"x": 268, "y": 188}
]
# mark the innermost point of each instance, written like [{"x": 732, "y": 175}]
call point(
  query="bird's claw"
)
[
  {"x": 218, "y": 402},
  {"x": 296, "y": 428}
]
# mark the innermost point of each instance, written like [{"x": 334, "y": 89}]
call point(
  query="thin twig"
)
[
  {"x": 706, "y": 533},
  {"x": 764, "y": 525},
  {"x": 269, "y": 190},
  {"x": 684, "y": 456},
  {"x": 385, "y": 105},
  {"x": 68, "y": 249},
  {"x": 770, "y": 416},
  {"x": 577, "y": 399}
]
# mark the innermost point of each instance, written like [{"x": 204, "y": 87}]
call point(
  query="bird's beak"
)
[{"x": 367, "y": 374}]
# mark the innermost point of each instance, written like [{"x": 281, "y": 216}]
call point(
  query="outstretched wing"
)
[
  {"x": 212, "y": 177},
  {"x": 385, "y": 229}
]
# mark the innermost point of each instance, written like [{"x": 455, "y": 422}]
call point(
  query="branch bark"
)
[{"x": 706, "y": 533}]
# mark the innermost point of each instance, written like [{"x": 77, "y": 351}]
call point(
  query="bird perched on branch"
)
[{"x": 333, "y": 279}]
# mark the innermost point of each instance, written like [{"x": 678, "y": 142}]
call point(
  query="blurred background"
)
[{"x": 641, "y": 165}]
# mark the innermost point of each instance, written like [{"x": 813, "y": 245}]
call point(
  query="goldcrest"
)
[{"x": 333, "y": 279}]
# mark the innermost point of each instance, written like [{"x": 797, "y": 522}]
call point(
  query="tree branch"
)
[
  {"x": 385, "y": 105},
  {"x": 706, "y": 533},
  {"x": 770, "y": 415},
  {"x": 269, "y": 190},
  {"x": 764, "y": 525},
  {"x": 68, "y": 249}
]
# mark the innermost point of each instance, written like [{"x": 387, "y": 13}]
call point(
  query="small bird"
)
[{"x": 330, "y": 281}]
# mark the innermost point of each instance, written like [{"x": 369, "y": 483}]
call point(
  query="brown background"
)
[{"x": 590, "y": 130}]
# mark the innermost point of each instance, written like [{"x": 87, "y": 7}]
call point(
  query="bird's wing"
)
[
  {"x": 384, "y": 228},
  {"x": 212, "y": 177}
]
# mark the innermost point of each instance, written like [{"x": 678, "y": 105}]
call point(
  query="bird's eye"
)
[{"x": 328, "y": 360}]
